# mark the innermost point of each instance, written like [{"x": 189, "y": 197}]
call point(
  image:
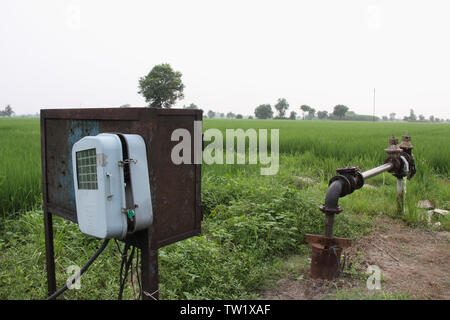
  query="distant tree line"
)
[
  {"x": 413, "y": 118},
  {"x": 162, "y": 86},
  {"x": 340, "y": 112},
  {"x": 218, "y": 115}
]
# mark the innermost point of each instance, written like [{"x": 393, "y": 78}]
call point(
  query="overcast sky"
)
[{"x": 234, "y": 55}]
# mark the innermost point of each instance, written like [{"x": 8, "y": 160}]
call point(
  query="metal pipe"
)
[
  {"x": 333, "y": 194},
  {"x": 400, "y": 195},
  {"x": 329, "y": 225},
  {"x": 331, "y": 203},
  {"x": 376, "y": 171},
  {"x": 335, "y": 191}
]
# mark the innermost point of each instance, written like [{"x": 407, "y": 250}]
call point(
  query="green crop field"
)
[
  {"x": 251, "y": 224},
  {"x": 20, "y": 165}
]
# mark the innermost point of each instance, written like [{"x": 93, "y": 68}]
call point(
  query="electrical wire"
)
[
  {"x": 124, "y": 255},
  {"x": 118, "y": 246},
  {"x": 127, "y": 267},
  {"x": 135, "y": 276},
  {"x": 82, "y": 270},
  {"x": 137, "y": 272},
  {"x": 340, "y": 266}
]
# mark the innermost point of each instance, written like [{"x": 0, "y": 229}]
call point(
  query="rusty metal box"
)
[{"x": 176, "y": 189}]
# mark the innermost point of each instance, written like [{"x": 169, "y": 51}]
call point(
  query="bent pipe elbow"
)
[{"x": 332, "y": 197}]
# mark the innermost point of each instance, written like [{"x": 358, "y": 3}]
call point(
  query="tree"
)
[
  {"x": 305, "y": 108},
  {"x": 392, "y": 116},
  {"x": 230, "y": 115},
  {"x": 191, "y": 106},
  {"x": 292, "y": 115},
  {"x": 211, "y": 114},
  {"x": 264, "y": 111},
  {"x": 412, "y": 116},
  {"x": 421, "y": 117},
  {"x": 8, "y": 112},
  {"x": 281, "y": 106},
  {"x": 322, "y": 114},
  {"x": 385, "y": 118},
  {"x": 311, "y": 113},
  {"x": 250, "y": 117},
  {"x": 340, "y": 110},
  {"x": 239, "y": 116},
  {"x": 162, "y": 86},
  {"x": 125, "y": 106}
]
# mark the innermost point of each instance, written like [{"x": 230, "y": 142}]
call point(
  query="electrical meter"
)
[{"x": 112, "y": 189}]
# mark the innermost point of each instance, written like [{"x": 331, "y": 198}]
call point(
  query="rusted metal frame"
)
[
  {"x": 48, "y": 222},
  {"x": 62, "y": 212},
  {"x": 146, "y": 121},
  {"x": 198, "y": 181},
  {"x": 149, "y": 269},
  {"x": 127, "y": 114},
  {"x": 143, "y": 239},
  {"x": 149, "y": 255},
  {"x": 49, "y": 253}
]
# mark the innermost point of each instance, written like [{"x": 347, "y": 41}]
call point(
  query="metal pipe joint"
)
[{"x": 400, "y": 155}]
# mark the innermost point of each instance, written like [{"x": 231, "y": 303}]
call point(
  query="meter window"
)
[{"x": 87, "y": 169}]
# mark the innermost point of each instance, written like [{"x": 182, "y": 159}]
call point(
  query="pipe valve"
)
[{"x": 401, "y": 157}]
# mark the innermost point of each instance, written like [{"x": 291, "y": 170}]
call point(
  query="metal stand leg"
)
[
  {"x": 149, "y": 269},
  {"x": 50, "y": 252}
]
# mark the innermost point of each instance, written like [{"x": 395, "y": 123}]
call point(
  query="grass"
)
[
  {"x": 20, "y": 165},
  {"x": 251, "y": 224}
]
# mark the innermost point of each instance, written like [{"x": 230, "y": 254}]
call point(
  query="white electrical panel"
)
[{"x": 112, "y": 189}]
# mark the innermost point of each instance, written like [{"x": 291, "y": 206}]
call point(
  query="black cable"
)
[
  {"x": 123, "y": 262},
  {"x": 127, "y": 267},
  {"x": 138, "y": 253},
  {"x": 118, "y": 246},
  {"x": 82, "y": 270},
  {"x": 340, "y": 267}
]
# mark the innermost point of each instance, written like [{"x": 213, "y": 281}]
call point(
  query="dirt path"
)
[{"x": 412, "y": 261}]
